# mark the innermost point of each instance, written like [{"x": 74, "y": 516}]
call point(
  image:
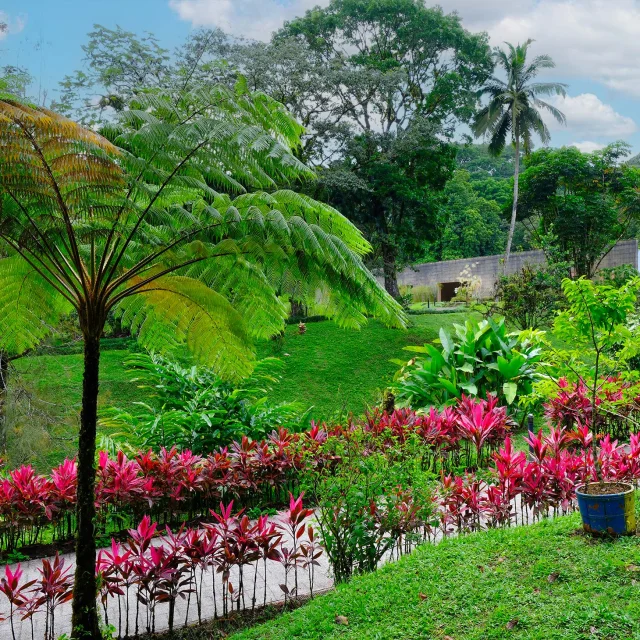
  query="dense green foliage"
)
[
  {"x": 391, "y": 185},
  {"x": 541, "y": 582},
  {"x": 402, "y": 88},
  {"x": 531, "y": 297},
  {"x": 193, "y": 408},
  {"x": 472, "y": 224},
  {"x": 586, "y": 201},
  {"x": 477, "y": 358}
]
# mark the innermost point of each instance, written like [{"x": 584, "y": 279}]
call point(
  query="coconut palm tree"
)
[
  {"x": 173, "y": 219},
  {"x": 514, "y": 110}
]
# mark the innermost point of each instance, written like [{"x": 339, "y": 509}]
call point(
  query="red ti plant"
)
[
  {"x": 243, "y": 549},
  {"x": 15, "y": 592},
  {"x": 55, "y": 587},
  {"x": 267, "y": 539},
  {"x": 584, "y": 438},
  {"x": 293, "y": 523},
  {"x": 310, "y": 551},
  {"x": 224, "y": 559},
  {"x": 115, "y": 572},
  {"x": 63, "y": 479},
  {"x": 509, "y": 468},
  {"x": 197, "y": 546},
  {"x": 481, "y": 422},
  {"x": 139, "y": 542},
  {"x": 172, "y": 574}
]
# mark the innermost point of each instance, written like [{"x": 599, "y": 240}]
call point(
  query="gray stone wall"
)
[{"x": 487, "y": 268}]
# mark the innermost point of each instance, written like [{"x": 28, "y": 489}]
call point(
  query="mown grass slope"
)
[
  {"x": 541, "y": 582},
  {"x": 332, "y": 369}
]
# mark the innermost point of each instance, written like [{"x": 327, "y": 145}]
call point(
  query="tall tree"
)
[
  {"x": 583, "y": 202},
  {"x": 391, "y": 184},
  {"x": 167, "y": 223},
  {"x": 382, "y": 66},
  {"x": 514, "y": 111}
]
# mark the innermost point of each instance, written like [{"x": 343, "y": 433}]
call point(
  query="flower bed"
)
[
  {"x": 222, "y": 556},
  {"x": 173, "y": 486}
]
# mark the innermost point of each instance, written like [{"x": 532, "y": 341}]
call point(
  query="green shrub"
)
[
  {"x": 530, "y": 298},
  {"x": 192, "y": 408},
  {"x": 369, "y": 503},
  {"x": 476, "y": 359}
]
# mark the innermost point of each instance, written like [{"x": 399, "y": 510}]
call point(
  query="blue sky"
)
[{"x": 595, "y": 43}]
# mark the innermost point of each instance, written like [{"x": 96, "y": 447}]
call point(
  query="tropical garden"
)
[{"x": 220, "y": 412}]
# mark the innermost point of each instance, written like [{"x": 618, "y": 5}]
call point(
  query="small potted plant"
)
[{"x": 596, "y": 318}]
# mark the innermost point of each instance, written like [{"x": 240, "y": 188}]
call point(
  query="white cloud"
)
[
  {"x": 587, "y": 146},
  {"x": 256, "y": 19},
  {"x": 12, "y": 25},
  {"x": 587, "y": 115},
  {"x": 594, "y": 39}
]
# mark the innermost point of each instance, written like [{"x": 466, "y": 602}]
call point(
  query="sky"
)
[{"x": 595, "y": 44}]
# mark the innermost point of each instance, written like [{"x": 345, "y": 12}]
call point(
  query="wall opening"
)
[{"x": 447, "y": 290}]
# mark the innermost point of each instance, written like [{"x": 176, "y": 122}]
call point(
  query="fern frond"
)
[
  {"x": 178, "y": 311},
  {"x": 29, "y": 306}
]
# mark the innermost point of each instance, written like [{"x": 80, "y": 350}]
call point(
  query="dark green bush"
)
[{"x": 193, "y": 408}]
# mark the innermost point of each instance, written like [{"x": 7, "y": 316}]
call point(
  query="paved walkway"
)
[{"x": 185, "y": 610}]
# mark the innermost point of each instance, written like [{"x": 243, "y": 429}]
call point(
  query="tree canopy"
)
[{"x": 585, "y": 201}]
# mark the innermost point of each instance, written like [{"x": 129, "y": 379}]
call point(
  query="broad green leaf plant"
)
[
  {"x": 174, "y": 218},
  {"x": 477, "y": 358}
]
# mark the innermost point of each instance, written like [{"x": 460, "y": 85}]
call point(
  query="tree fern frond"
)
[
  {"x": 29, "y": 306},
  {"x": 178, "y": 311}
]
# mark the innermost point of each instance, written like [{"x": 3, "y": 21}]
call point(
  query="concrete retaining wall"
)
[{"x": 486, "y": 268}]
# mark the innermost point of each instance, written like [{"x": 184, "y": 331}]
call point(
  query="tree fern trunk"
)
[
  {"x": 514, "y": 210},
  {"x": 85, "y": 613},
  {"x": 4, "y": 375}
]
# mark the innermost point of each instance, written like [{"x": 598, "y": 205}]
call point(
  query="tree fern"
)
[{"x": 165, "y": 219}]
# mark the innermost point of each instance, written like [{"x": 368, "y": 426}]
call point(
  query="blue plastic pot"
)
[{"x": 613, "y": 514}]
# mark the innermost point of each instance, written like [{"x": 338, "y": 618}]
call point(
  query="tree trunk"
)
[
  {"x": 390, "y": 270},
  {"x": 514, "y": 211},
  {"x": 4, "y": 379},
  {"x": 85, "y": 622}
]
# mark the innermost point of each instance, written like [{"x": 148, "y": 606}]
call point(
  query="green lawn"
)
[
  {"x": 332, "y": 369},
  {"x": 337, "y": 369},
  {"x": 541, "y": 582},
  {"x": 47, "y": 433}
]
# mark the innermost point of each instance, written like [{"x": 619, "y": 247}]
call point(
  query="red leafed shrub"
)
[
  {"x": 617, "y": 401},
  {"x": 173, "y": 486}
]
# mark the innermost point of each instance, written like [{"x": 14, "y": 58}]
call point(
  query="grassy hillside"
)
[
  {"x": 333, "y": 369},
  {"x": 541, "y": 582},
  {"x": 338, "y": 370}
]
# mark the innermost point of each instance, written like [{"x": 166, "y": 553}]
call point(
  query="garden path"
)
[{"x": 186, "y": 611}]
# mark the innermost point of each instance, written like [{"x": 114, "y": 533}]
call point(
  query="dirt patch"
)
[{"x": 604, "y": 489}]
